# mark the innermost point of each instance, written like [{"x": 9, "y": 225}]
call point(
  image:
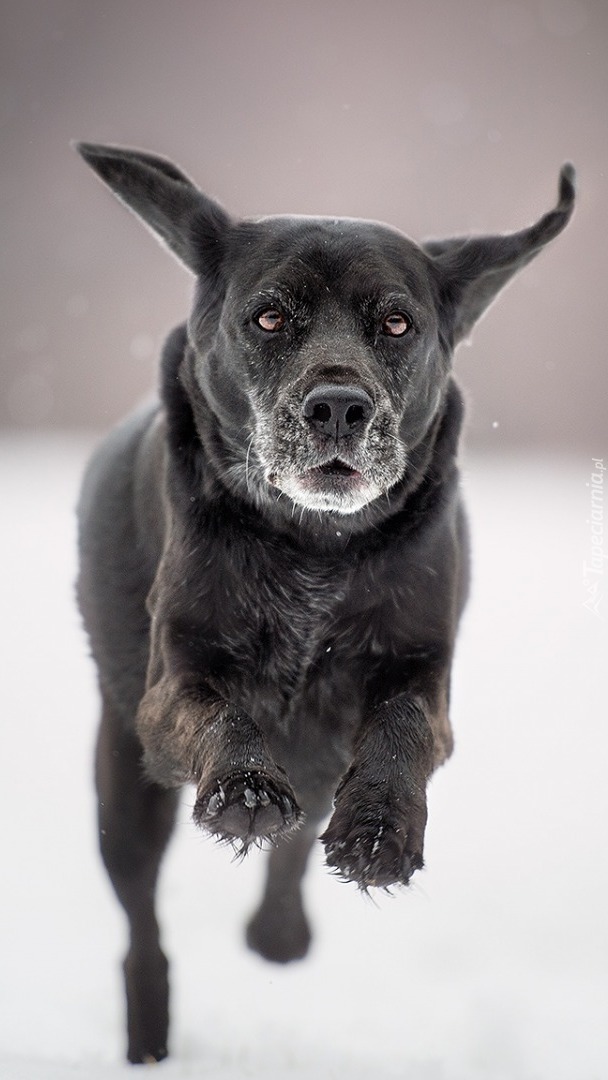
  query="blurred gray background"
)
[{"x": 437, "y": 117}]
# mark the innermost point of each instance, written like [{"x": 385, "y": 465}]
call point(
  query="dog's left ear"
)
[
  {"x": 473, "y": 270},
  {"x": 189, "y": 223}
]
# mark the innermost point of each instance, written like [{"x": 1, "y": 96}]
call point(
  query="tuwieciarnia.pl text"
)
[{"x": 593, "y": 566}]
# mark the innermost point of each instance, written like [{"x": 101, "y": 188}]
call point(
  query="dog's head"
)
[{"x": 320, "y": 347}]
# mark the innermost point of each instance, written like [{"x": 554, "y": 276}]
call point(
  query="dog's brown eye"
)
[
  {"x": 270, "y": 320},
  {"x": 396, "y": 324}
]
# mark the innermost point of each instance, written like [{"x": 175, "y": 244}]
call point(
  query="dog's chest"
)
[
  {"x": 284, "y": 609},
  {"x": 270, "y": 617}
]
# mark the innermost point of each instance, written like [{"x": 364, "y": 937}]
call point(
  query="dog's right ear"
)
[
  {"x": 474, "y": 269},
  {"x": 191, "y": 225}
]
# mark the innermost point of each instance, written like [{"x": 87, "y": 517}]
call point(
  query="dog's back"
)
[{"x": 120, "y": 540}]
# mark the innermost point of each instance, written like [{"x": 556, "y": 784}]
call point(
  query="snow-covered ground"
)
[{"x": 492, "y": 966}]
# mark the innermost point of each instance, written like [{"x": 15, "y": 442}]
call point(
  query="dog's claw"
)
[
  {"x": 409, "y": 864},
  {"x": 215, "y": 804}
]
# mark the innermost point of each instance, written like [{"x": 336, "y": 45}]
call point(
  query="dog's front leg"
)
[
  {"x": 191, "y": 735},
  {"x": 376, "y": 833}
]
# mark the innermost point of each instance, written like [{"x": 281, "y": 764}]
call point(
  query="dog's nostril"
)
[
  {"x": 321, "y": 412},
  {"x": 354, "y": 414}
]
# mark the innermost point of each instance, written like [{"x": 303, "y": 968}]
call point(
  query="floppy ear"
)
[
  {"x": 191, "y": 225},
  {"x": 473, "y": 270}
]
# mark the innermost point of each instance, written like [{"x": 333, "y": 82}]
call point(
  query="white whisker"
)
[{"x": 247, "y": 462}]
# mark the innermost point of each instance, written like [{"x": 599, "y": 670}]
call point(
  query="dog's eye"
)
[
  {"x": 270, "y": 320},
  {"x": 396, "y": 324}
]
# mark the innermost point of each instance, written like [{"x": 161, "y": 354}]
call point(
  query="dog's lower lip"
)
[{"x": 336, "y": 468}]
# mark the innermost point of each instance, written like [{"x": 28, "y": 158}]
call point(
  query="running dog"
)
[{"x": 274, "y": 556}]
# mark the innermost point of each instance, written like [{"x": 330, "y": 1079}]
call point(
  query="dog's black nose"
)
[{"x": 338, "y": 410}]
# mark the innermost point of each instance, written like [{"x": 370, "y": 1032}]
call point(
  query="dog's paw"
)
[
  {"x": 246, "y": 808},
  {"x": 369, "y": 847},
  {"x": 279, "y": 930}
]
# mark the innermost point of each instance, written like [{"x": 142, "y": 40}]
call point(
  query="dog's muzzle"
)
[{"x": 330, "y": 450}]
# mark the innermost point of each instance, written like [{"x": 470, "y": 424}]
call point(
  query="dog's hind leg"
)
[
  {"x": 136, "y": 818},
  {"x": 279, "y": 929}
]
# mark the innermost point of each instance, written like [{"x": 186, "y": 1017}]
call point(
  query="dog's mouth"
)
[
  {"x": 335, "y": 485},
  {"x": 335, "y": 469},
  {"x": 335, "y": 477}
]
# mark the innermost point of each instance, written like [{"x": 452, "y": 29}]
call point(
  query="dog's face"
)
[
  {"x": 324, "y": 352},
  {"x": 321, "y": 347}
]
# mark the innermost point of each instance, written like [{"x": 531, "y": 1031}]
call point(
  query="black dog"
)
[{"x": 274, "y": 559}]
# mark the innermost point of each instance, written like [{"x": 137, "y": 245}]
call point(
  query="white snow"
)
[{"x": 492, "y": 966}]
